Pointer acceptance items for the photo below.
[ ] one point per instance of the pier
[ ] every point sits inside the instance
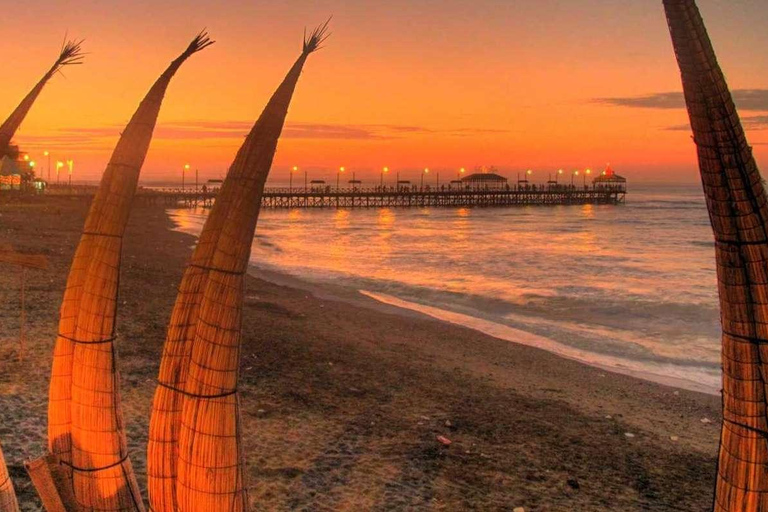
(384, 197)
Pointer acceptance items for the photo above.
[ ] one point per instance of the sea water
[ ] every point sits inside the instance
(630, 287)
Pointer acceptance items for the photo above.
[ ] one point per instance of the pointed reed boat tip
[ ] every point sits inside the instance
(71, 53)
(317, 37)
(199, 43)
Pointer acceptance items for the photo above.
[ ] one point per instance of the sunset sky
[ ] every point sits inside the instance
(539, 84)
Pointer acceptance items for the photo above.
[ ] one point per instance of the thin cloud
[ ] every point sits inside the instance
(103, 136)
(751, 123)
(745, 99)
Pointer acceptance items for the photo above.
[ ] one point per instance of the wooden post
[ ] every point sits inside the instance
(23, 312)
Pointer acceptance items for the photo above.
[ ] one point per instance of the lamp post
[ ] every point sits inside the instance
(183, 170)
(290, 177)
(59, 165)
(305, 180)
(197, 172)
(588, 171)
(338, 176)
(426, 171)
(575, 173)
(48, 154)
(383, 172)
(559, 173)
(70, 166)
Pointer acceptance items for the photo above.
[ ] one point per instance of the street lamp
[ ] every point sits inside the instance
(575, 173)
(70, 165)
(183, 170)
(383, 172)
(48, 154)
(290, 177)
(588, 171)
(59, 165)
(426, 171)
(338, 175)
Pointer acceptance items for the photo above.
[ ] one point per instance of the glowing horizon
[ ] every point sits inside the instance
(439, 85)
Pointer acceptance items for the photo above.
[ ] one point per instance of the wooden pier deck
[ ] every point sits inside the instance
(391, 198)
(380, 197)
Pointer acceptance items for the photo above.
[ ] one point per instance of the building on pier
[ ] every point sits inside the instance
(609, 179)
(485, 181)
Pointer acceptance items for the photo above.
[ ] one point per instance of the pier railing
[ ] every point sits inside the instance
(392, 197)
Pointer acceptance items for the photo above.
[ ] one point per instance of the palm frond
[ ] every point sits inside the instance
(317, 37)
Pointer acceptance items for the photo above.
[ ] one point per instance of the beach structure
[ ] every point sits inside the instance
(195, 460)
(738, 211)
(70, 55)
(85, 425)
(10, 175)
(8, 501)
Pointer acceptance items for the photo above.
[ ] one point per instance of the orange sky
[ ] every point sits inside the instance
(407, 84)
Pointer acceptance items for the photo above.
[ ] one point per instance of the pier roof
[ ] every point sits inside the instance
(488, 177)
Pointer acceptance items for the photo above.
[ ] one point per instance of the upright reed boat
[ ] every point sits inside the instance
(194, 459)
(85, 424)
(738, 211)
(8, 501)
(71, 54)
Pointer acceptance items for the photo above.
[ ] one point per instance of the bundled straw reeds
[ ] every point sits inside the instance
(8, 502)
(85, 425)
(194, 455)
(736, 200)
(71, 54)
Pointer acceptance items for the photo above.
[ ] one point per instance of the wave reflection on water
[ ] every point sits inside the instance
(630, 287)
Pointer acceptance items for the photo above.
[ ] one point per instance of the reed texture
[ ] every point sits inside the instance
(8, 502)
(85, 424)
(70, 55)
(194, 460)
(736, 201)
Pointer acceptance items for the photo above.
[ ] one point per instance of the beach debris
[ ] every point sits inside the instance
(629, 435)
(608, 417)
(8, 501)
(71, 54)
(85, 423)
(706, 421)
(674, 438)
(195, 410)
(736, 203)
(444, 441)
(448, 423)
(518, 509)
(573, 484)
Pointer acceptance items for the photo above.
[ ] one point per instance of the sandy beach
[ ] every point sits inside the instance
(344, 398)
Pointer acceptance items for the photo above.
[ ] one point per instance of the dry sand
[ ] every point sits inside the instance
(343, 400)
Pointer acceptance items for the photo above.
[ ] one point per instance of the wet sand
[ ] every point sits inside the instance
(344, 398)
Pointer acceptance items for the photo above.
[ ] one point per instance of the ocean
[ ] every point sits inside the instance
(629, 288)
